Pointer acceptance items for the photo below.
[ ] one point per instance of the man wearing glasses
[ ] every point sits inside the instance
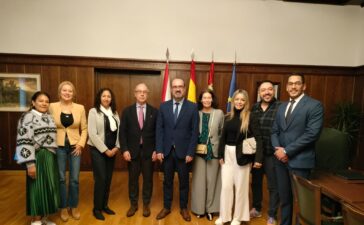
(177, 133)
(295, 130)
(137, 140)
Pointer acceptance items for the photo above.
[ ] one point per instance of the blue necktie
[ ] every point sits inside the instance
(176, 111)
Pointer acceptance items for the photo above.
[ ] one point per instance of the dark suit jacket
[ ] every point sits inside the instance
(299, 134)
(130, 131)
(183, 134)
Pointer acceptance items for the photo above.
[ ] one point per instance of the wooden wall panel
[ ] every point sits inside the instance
(359, 100)
(328, 84)
(50, 80)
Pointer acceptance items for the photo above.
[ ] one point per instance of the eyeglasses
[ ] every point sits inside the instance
(141, 92)
(297, 83)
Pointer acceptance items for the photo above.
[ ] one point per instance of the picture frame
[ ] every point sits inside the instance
(277, 89)
(16, 90)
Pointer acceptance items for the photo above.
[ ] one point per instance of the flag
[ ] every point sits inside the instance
(210, 82)
(166, 91)
(192, 86)
(231, 89)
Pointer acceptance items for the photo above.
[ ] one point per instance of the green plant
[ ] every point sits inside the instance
(346, 118)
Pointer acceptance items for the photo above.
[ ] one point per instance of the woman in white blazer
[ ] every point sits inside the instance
(206, 179)
(103, 130)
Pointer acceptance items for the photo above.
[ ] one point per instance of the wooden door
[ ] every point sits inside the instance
(122, 83)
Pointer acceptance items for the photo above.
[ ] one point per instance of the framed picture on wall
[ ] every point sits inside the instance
(276, 86)
(16, 90)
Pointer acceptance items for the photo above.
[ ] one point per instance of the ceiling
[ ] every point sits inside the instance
(331, 2)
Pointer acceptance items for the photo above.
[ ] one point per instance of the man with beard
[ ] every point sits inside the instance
(265, 110)
(177, 134)
(295, 130)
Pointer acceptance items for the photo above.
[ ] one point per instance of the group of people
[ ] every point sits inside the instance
(52, 135)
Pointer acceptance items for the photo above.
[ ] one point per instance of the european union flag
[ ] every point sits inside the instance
(231, 89)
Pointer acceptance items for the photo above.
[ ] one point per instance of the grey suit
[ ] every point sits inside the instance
(297, 136)
(206, 177)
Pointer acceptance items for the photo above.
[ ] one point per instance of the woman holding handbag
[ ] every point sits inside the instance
(206, 179)
(236, 161)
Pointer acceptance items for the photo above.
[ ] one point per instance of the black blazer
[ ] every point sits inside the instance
(130, 131)
(253, 131)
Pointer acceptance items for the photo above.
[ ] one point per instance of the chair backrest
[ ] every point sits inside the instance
(352, 216)
(309, 200)
(332, 150)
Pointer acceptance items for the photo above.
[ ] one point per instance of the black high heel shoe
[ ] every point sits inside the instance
(209, 216)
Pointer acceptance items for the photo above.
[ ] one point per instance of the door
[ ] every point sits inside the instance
(122, 83)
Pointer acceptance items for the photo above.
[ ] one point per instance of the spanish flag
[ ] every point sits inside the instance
(192, 86)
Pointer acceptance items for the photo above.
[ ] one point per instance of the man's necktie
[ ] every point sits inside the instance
(176, 111)
(141, 117)
(289, 112)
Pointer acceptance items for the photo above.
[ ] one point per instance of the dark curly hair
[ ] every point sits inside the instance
(97, 101)
(214, 103)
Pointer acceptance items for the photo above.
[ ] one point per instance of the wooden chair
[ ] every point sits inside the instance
(352, 216)
(308, 196)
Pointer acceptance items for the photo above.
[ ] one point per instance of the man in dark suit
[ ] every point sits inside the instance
(177, 133)
(137, 137)
(295, 130)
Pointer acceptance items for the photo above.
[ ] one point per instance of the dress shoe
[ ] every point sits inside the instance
(132, 210)
(185, 214)
(36, 222)
(98, 214)
(146, 211)
(64, 214)
(108, 211)
(209, 216)
(75, 213)
(163, 213)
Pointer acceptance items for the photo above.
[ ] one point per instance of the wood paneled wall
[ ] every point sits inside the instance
(330, 85)
(359, 100)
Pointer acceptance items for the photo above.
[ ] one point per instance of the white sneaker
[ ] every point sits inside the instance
(37, 222)
(47, 222)
(235, 222)
(219, 221)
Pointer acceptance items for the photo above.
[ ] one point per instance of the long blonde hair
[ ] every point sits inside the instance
(245, 113)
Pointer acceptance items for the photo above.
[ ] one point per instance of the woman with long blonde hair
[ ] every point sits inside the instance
(235, 166)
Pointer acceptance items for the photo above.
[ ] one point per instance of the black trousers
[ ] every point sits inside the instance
(137, 166)
(102, 167)
(257, 184)
(172, 163)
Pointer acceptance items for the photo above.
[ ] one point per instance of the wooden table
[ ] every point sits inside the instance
(340, 189)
